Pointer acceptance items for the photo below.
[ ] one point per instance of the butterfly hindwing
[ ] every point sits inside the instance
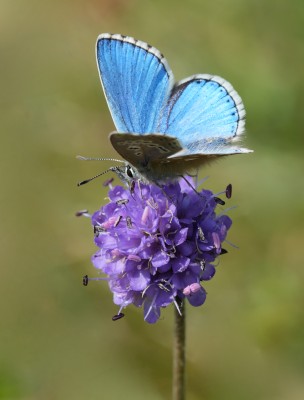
(136, 80)
(202, 108)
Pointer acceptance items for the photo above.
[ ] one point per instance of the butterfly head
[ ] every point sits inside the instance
(126, 173)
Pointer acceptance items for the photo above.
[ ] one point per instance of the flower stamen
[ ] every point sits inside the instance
(118, 316)
(122, 202)
(129, 222)
(86, 279)
(83, 213)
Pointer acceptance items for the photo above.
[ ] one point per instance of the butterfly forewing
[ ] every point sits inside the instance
(136, 81)
(141, 150)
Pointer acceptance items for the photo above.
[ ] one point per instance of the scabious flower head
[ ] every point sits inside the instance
(157, 245)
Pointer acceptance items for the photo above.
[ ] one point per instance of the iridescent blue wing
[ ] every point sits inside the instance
(136, 80)
(205, 114)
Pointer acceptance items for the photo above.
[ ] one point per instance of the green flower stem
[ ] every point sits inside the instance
(178, 389)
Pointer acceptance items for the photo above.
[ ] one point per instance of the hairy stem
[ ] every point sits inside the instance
(178, 389)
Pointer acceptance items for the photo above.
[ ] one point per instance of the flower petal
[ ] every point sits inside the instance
(198, 298)
(180, 264)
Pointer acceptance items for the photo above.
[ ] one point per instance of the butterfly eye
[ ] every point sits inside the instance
(129, 172)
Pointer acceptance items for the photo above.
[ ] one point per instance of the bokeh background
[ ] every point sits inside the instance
(57, 340)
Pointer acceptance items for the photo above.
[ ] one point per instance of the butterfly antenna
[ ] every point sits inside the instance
(90, 179)
(111, 169)
(98, 159)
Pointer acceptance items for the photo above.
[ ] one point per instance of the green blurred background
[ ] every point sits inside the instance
(57, 340)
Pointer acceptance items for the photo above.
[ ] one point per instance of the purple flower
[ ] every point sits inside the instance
(156, 245)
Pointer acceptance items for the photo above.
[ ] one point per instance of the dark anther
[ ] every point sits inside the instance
(117, 221)
(224, 251)
(81, 213)
(85, 280)
(98, 229)
(229, 191)
(201, 234)
(122, 202)
(132, 188)
(163, 287)
(219, 201)
(118, 316)
(129, 222)
(203, 265)
(108, 182)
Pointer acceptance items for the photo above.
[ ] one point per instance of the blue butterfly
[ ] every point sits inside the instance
(165, 129)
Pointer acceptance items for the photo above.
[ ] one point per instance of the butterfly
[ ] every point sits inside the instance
(163, 128)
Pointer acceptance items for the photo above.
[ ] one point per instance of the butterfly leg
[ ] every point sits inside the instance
(189, 183)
